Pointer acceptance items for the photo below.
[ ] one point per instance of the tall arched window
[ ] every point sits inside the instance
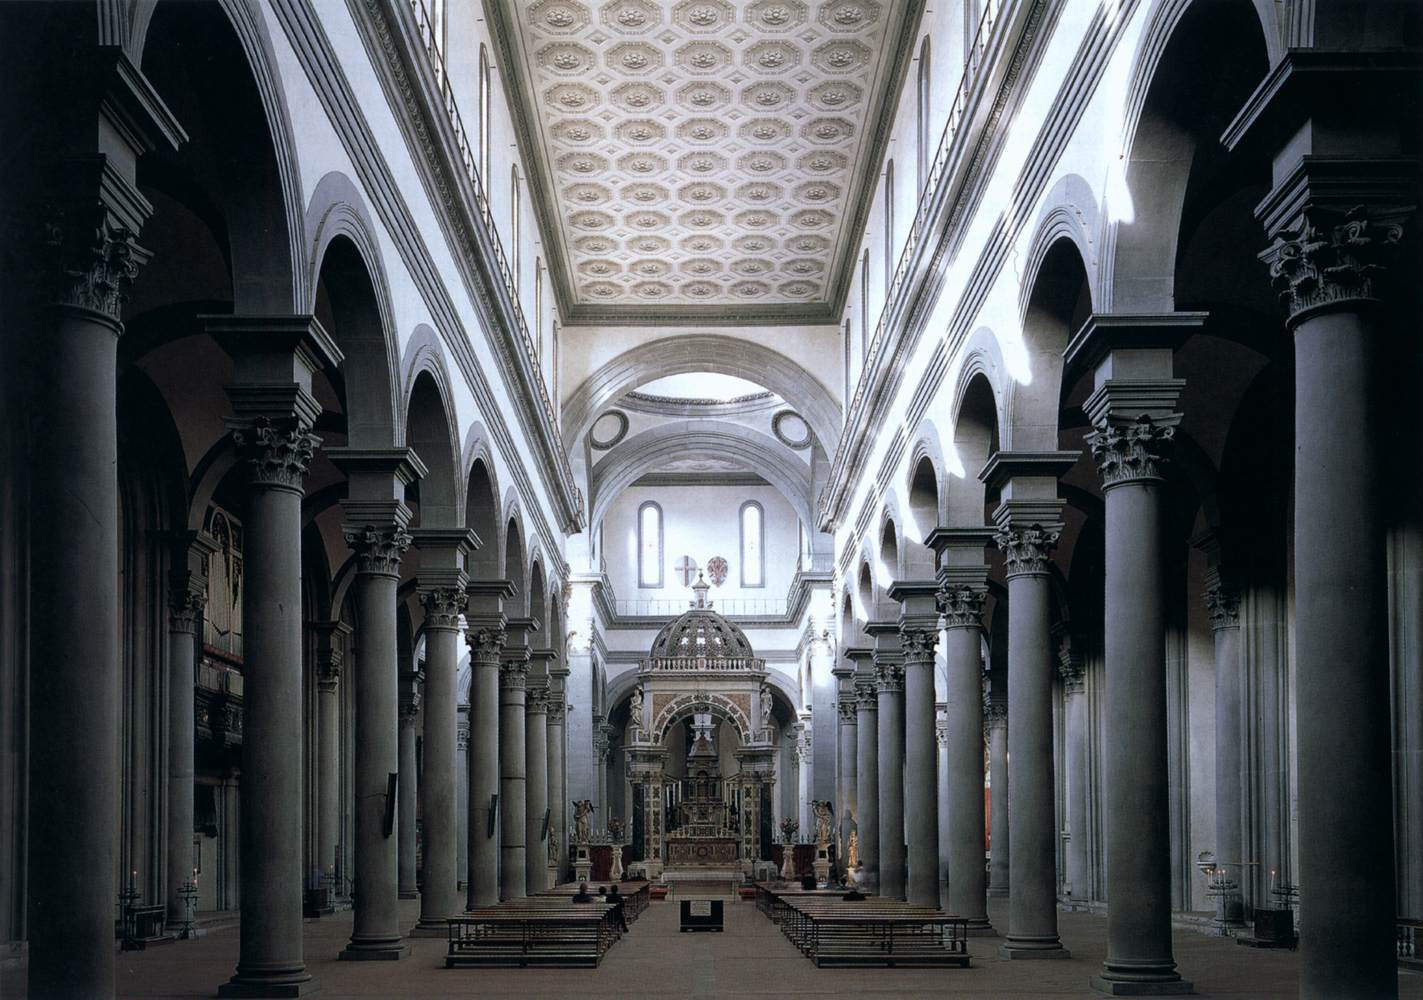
(888, 227)
(484, 118)
(649, 545)
(538, 331)
(865, 305)
(925, 95)
(753, 551)
(514, 224)
(846, 406)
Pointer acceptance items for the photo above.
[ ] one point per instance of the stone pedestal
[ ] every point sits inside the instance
(821, 864)
(583, 864)
(615, 872)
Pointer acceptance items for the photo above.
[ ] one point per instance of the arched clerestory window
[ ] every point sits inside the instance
(753, 549)
(922, 124)
(649, 545)
(484, 103)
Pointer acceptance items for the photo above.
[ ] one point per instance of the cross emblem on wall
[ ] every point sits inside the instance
(686, 568)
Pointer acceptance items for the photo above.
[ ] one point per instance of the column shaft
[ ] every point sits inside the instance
(536, 790)
(968, 886)
(376, 928)
(921, 780)
(483, 757)
(999, 865)
(513, 671)
(847, 804)
(558, 815)
(405, 828)
(1229, 742)
(328, 767)
(439, 892)
(890, 677)
(185, 616)
(1342, 673)
(867, 779)
(1078, 868)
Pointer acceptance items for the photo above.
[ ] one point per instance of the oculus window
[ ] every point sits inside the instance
(649, 545)
(753, 553)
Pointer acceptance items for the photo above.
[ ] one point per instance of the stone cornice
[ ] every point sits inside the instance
(318, 59)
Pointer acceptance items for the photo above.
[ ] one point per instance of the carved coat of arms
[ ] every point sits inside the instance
(717, 569)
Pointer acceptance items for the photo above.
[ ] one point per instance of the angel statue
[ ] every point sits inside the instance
(582, 809)
(824, 818)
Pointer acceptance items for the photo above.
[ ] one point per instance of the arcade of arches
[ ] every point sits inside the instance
(455, 447)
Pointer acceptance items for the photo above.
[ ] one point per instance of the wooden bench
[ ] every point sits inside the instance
(537, 930)
(831, 930)
(636, 895)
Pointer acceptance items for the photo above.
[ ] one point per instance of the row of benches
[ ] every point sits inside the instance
(831, 930)
(547, 929)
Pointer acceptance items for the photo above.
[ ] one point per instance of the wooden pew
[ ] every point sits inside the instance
(831, 930)
(537, 930)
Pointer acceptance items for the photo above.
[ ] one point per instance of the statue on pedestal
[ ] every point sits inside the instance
(824, 820)
(582, 809)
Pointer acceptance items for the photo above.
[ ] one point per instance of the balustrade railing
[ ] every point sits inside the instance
(720, 664)
(730, 607)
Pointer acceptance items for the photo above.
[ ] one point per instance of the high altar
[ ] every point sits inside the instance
(694, 818)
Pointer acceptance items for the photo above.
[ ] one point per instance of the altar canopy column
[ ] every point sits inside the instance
(1223, 604)
(1336, 219)
(963, 588)
(1132, 408)
(889, 685)
(845, 759)
(536, 786)
(485, 636)
(186, 601)
(441, 587)
(918, 637)
(406, 789)
(1074, 697)
(995, 734)
(867, 763)
(513, 768)
(1028, 530)
(376, 519)
(274, 358)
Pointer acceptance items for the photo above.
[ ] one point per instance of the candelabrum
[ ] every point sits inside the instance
(189, 892)
(1226, 893)
(127, 899)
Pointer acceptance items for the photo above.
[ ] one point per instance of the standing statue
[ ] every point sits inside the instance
(853, 861)
(635, 708)
(824, 819)
(766, 705)
(582, 809)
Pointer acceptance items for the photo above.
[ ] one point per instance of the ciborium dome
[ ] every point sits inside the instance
(701, 634)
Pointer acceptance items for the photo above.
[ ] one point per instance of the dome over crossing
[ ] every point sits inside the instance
(701, 634)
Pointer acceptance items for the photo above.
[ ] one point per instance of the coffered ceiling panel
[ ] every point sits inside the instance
(706, 155)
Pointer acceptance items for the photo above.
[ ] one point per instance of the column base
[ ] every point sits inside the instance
(256, 986)
(1134, 988)
(996, 893)
(382, 952)
(408, 894)
(429, 927)
(981, 928)
(1016, 951)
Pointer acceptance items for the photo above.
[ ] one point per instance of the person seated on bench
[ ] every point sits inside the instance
(582, 895)
(807, 882)
(853, 896)
(618, 901)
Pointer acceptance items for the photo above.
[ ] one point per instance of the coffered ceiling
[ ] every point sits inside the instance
(706, 159)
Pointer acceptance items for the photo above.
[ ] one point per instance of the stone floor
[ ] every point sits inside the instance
(751, 959)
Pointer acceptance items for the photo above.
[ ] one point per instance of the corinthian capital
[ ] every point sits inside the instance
(557, 710)
(90, 257)
(889, 675)
(1070, 666)
(1330, 254)
(917, 644)
(866, 696)
(962, 606)
(1223, 605)
(845, 707)
(186, 604)
(995, 715)
(277, 452)
(328, 670)
(536, 700)
(378, 549)
(486, 645)
(1133, 452)
(1028, 550)
(443, 606)
(514, 669)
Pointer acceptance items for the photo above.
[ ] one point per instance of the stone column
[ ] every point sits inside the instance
(1223, 602)
(376, 519)
(1131, 408)
(328, 744)
(889, 684)
(1027, 535)
(845, 759)
(961, 600)
(918, 637)
(600, 770)
(486, 636)
(187, 599)
(1070, 669)
(536, 787)
(513, 678)
(557, 780)
(805, 772)
(274, 411)
(407, 877)
(1336, 224)
(941, 733)
(995, 722)
(442, 593)
(867, 767)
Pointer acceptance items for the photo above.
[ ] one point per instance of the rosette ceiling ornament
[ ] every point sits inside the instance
(708, 153)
